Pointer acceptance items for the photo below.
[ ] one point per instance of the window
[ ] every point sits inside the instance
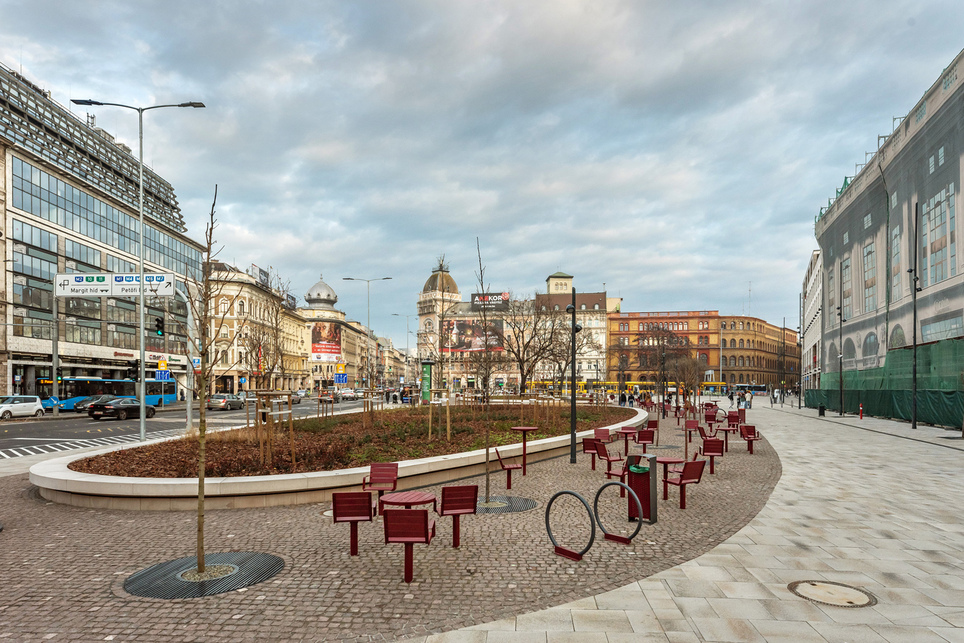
(893, 200)
(847, 302)
(741, 345)
(241, 308)
(930, 163)
(846, 238)
(82, 253)
(115, 264)
(867, 221)
(895, 262)
(940, 156)
(938, 254)
(870, 278)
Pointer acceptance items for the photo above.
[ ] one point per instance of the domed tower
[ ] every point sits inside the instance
(439, 293)
(321, 297)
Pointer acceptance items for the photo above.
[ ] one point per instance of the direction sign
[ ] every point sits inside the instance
(162, 375)
(102, 284)
(341, 378)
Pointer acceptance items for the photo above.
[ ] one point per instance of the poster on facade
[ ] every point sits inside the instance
(490, 301)
(325, 342)
(468, 335)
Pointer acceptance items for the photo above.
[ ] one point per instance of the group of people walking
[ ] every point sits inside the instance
(745, 399)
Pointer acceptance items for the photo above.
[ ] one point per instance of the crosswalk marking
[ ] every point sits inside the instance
(81, 443)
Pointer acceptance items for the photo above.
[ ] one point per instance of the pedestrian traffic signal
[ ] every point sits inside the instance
(60, 373)
(134, 370)
(159, 326)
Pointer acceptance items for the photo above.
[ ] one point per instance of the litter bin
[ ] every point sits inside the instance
(822, 410)
(642, 480)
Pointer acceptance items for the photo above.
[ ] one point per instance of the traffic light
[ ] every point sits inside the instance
(159, 326)
(60, 373)
(134, 370)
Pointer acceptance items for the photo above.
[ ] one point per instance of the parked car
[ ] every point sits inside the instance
(224, 402)
(348, 394)
(302, 393)
(119, 407)
(84, 404)
(20, 406)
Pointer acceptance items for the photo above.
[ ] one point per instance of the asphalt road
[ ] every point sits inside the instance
(74, 431)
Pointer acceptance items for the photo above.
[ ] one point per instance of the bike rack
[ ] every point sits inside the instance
(639, 508)
(593, 520)
(562, 551)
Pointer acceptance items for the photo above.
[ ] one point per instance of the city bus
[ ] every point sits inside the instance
(73, 389)
(754, 389)
(713, 388)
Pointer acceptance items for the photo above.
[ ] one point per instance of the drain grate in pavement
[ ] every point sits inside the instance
(828, 592)
(507, 505)
(163, 580)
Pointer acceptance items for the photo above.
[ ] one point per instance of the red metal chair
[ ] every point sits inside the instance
(645, 437)
(691, 473)
(712, 448)
(733, 419)
(710, 417)
(621, 476)
(689, 426)
(749, 433)
(382, 477)
(602, 435)
(589, 446)
(458, 501)
(352, 507)
(508, 468)
(604, 455)
(408, 526)
(704, 433)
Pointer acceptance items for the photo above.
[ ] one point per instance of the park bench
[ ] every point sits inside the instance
(458, 501)
(352, 507)
(382, 477)
(508, 468)
(408, 526)
(691, 473)
(749, 433)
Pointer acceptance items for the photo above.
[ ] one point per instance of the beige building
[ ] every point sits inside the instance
(336, 346)
(261, 340)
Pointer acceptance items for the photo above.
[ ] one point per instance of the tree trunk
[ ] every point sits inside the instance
(200, 489)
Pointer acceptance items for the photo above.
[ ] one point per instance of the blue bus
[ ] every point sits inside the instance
(73, 389)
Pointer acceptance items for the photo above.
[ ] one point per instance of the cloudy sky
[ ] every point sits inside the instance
(676, 152)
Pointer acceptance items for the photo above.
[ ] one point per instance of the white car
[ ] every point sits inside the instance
(348, 394)
(20, 406)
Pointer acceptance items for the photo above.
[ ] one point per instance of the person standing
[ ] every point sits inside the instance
(730, 396)
(749, 399)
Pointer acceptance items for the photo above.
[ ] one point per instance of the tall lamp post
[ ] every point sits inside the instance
(140, 211)
(571, 309)
(407, 332)
(368, 328)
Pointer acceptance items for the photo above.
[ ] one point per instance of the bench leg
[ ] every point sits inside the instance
(409, 562)
(456, 531)
(712, 457)
(749, 445)
(354, 538)
(682, 496)
(508, 478)
(593, 461)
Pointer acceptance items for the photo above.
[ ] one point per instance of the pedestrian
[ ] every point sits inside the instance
(622, 399)
(730, 396)
(630, 399)
(749, 399)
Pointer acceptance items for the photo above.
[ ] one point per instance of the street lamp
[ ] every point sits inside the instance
(571, 309)
(140, 211)
(407, 332)
(368, 328)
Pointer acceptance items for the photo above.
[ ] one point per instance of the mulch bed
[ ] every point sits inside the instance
(344, 441)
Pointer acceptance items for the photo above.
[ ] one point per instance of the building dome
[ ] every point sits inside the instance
(321, 296)
(441, 281)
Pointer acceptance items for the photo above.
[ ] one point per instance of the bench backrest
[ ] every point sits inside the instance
(748, 432)
(652, 424)
(406, 526)
(712, 446)
(601, 434)
(690, 425)
(646, 436)
(692, 471)
(499, 456)
(457, 500)
(381, 472)
(601, 450)
(351, 506)
(589, 445)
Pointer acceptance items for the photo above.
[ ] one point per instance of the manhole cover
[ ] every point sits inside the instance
(164, 579)
(829, 593)
(506, 505)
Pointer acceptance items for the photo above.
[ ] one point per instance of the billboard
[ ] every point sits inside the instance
(490, 301)
(468, 335)
(325, 342)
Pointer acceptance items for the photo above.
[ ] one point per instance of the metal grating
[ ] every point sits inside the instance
(825, 592)
(513, 504)
(162, 580)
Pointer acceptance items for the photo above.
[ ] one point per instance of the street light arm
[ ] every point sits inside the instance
(88, 101)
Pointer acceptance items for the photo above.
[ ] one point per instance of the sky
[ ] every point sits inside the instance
(672, 153)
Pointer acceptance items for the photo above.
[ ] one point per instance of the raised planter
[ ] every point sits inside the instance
(59, 484)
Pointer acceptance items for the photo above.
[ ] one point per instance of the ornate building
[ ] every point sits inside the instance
(335, 343)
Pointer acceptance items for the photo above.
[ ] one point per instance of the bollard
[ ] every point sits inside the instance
(861, 411)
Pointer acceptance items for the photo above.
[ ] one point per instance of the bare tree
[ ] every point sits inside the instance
(559, 356)
(527, 334)
(687, 372)
(213, 327)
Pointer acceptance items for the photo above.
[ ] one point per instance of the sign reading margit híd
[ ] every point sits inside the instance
(490, 301)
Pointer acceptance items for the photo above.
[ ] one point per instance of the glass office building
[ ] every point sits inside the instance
(68, 199)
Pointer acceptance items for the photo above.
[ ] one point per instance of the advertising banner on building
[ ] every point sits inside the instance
(490, 301)
(325, 342)
(468, 335)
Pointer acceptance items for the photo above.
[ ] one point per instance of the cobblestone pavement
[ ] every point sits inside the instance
(62, 568)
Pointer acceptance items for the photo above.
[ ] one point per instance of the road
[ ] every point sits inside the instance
(74, 431)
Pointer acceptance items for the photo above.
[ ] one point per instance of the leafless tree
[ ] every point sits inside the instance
(559, 357)
(527, 335)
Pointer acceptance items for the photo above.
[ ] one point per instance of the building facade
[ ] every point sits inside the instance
(811, 317)
(69, 204)
(337, 345)
(889, 255)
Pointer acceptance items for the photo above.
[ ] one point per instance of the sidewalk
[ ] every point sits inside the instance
(869, 503)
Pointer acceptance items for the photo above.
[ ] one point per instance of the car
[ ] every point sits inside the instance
(84, 404)
(348, 394)
(119, 407)
(20, 406)
(302, 393)
(224, 402)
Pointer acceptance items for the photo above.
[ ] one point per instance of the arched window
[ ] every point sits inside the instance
(556, 307)
(741, 360)
(732, 343)
(741, 378)
(240, 307)
(733, 360)
(582, 306)
(732, 325)
(704, 358)
(595, 306)
(741, 343)
(223, 307)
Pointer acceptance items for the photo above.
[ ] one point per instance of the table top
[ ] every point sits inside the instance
(627, 430)
(524, 429)
(667, 460)
(407, 498)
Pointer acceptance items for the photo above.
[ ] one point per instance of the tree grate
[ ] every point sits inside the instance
(163, 581)
(513, 504)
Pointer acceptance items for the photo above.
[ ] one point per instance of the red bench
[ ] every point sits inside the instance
(458, 501)
(508, 468)
(645, 437)
(352, 507)
(408, 526)
(604, 455)
(691, 473)
(589, 446)
(712, 448)
(749, 433)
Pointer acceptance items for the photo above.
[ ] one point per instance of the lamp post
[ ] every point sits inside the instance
(571, 309)
(407, 332)
(368, 328)
(915, 279)
(140, 211)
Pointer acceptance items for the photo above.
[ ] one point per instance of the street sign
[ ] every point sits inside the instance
(162, 364)
(162, 375)
(104, 284)
(341, 378)
(196, 361)
(340, 369)
(243, 380)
